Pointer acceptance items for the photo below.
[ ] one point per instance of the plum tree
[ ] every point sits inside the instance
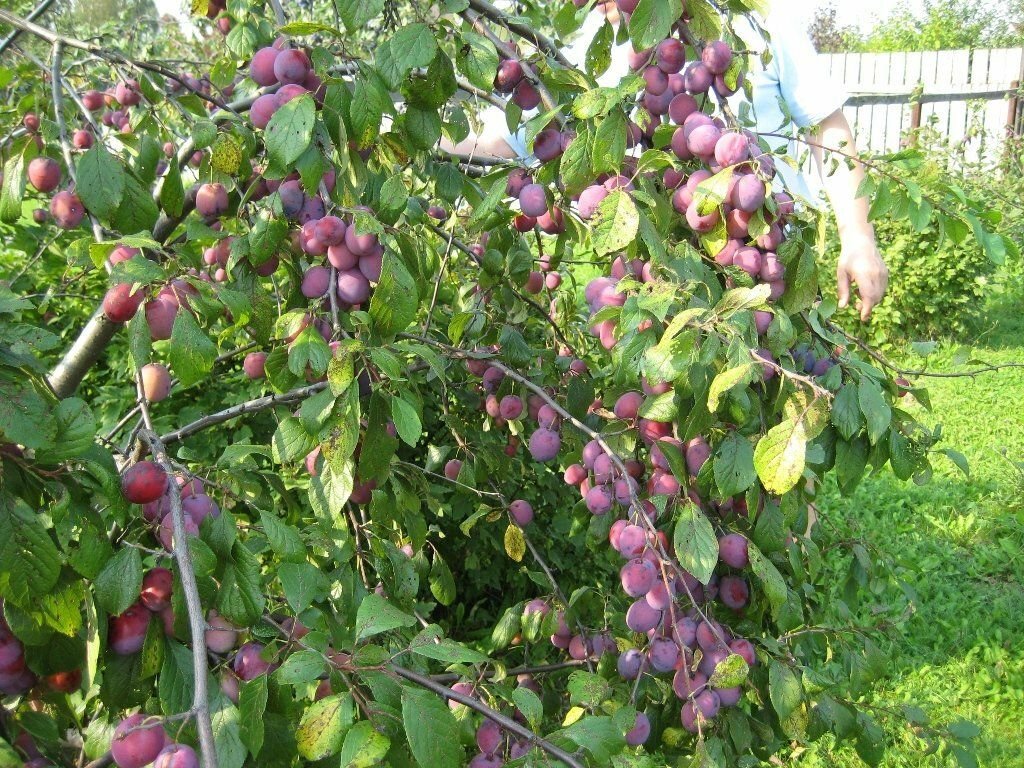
(438, 397)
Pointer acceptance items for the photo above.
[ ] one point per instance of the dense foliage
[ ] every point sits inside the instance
(310, 424)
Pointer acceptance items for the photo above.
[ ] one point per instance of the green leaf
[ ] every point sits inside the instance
(616, 223)
(13, 189)
(252, 704)
(364, 746)
(285, 539)
(771, 580)
(291, 441)
(730, 672)
(301, 667)
(240, 598)
(442, 583)
(587, 689)
(395, 299)
(407, 420)
(376, 615)
(431, 729)
(711, 193)
(191, 353)
(845, 414)
(290, 130)
(429, 644)
(76, 429)
(695, 542)
(29, 560)
(726, 380)
(303, 28)
(309, 350)
(356, 13)
(780, 455)
(477, 59)
(302, 583)
(324, 724)
(784, 689)
(100, 181)
(118, 584)
(652, 20)
(876, 411)
(410, 47)
(610, 143)
(598, 735)
(734, 465)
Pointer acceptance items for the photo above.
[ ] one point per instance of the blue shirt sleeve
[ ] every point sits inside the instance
(809, 93)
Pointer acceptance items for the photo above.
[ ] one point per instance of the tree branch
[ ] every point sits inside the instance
(525, 31)
(38, 11)
(505, 722)
(194, 606)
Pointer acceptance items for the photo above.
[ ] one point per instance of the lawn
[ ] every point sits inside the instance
(959, 544)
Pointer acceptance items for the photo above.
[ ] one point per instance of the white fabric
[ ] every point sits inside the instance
(793, 75)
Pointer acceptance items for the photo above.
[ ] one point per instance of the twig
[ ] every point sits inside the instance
(540, 669)
(524, 31)
(505, 722)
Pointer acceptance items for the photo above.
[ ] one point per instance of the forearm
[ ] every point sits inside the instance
(834, 151)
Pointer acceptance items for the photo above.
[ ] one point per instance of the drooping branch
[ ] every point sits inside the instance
(505, 722)
(190, 589)
(525, 31)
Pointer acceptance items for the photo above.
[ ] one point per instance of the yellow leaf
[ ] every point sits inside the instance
(515, 544)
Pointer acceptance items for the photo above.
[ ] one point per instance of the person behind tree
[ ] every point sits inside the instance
(790, 91)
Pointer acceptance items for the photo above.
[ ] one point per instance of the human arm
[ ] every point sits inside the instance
(860, 261)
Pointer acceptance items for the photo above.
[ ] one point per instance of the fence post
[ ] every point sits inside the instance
(1012, 119)
(915, 121)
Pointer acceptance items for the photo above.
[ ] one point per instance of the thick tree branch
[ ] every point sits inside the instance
(250, 406)
(525, 31)
(38, 11)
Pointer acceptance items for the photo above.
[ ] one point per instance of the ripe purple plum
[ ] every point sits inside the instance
(743, 647)
(452, 469)
(749, 193)
(734, 592)
(521, 512)
(640, 732)
(315, 282)
(44, 173)
(630, 663)
(670, 55)
(533, 200)
(641, 617)
(548, 145)
(255, 364)
(176, 756)
(82, 139)
(628, 405)
(544, 444)
(166, 530)
(637, 577)
(511, 407)
(222, 635)
(655, 81)
(263, 109)
(160, 315)
(663, 654)
(199, 507)
(126, 632)
(136, 743)
(733, 550)
(772, 268)
(599, 500)
(517, 179)
(732, 148)
(697, 452)
(212, 200)
(526, 96)
(156, 589)
(574, 474)
(156, 382)
(717, 57)
(703, 139)
(686, 684)
(143, 481)
(489, 737)
(698, 78)
(261, 66)
(249, 662)
(127, 93)
(681, 107)
(632, 541)
(353, 287)
(66, 209)
(552, 222)
(749, 260)
(291, 66)
(508, 76)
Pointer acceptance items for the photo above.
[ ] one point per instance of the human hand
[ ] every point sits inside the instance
(861, 262)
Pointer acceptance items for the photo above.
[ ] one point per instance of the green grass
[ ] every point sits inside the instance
(958, 543)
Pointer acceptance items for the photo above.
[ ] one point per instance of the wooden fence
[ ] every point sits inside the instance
(971, 96)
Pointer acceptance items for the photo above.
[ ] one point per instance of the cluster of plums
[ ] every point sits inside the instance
(140, 740)
(288, 68)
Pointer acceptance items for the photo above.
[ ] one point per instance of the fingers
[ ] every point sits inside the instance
(871, 292)
(843, 286)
